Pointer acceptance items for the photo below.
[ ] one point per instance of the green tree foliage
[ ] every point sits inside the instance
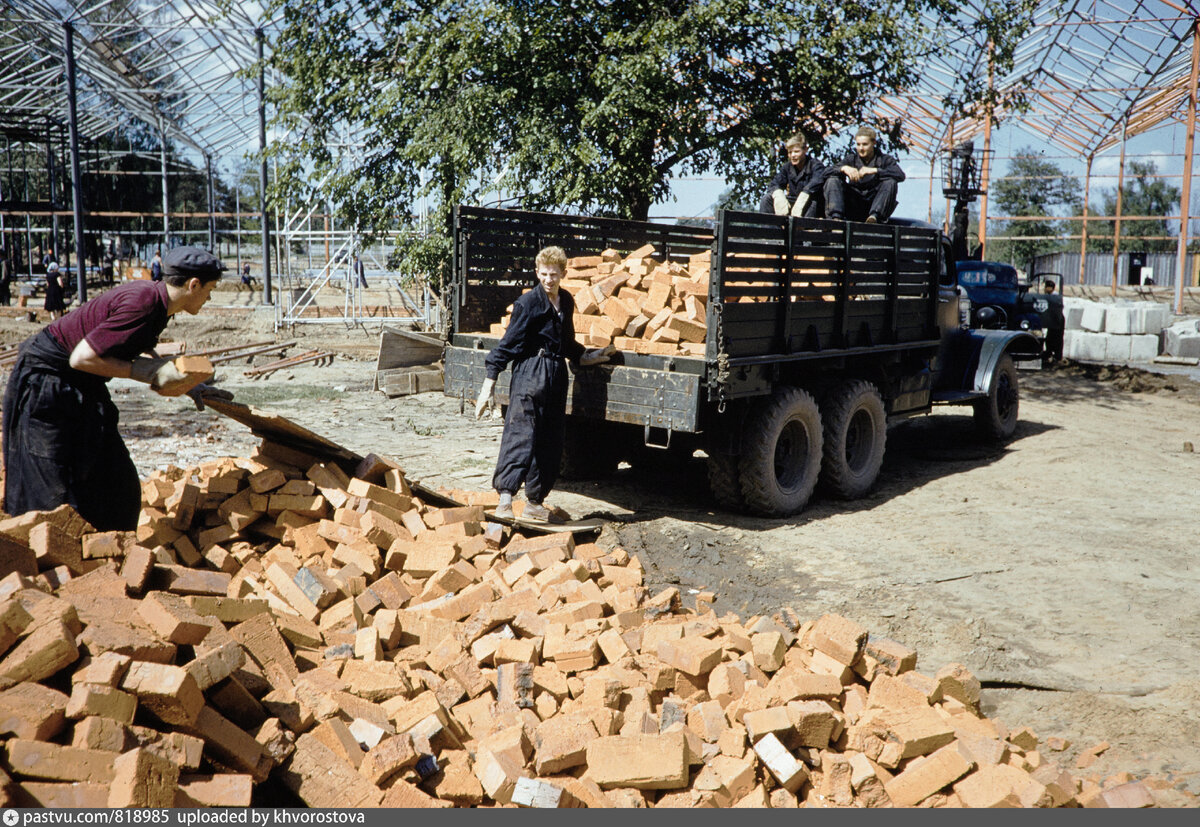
(585, 106)
(1038, 189)
(1142, 193)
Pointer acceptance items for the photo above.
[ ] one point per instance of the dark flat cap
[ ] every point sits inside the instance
(191, 261)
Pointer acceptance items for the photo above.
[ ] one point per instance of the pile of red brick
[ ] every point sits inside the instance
(636, 302)
(277, 630)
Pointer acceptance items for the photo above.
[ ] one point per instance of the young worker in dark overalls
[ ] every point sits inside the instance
(539, 339)
(61, 444)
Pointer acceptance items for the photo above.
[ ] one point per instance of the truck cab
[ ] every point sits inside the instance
(999, 301)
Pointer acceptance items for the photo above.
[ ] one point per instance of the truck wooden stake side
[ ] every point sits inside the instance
(819, 333)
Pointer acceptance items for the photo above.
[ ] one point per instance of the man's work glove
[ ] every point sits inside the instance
(801, 202)
(205, 391)
(597, 356)
(487, 397)
(163, 376)
(779, 198)
(160, 374)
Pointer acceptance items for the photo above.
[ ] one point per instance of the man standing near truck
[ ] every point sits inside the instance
(798, 188)
(1054, 322)
(872, 179)
(539, 338)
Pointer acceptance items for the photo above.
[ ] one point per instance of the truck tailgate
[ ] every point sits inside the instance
(662, 392)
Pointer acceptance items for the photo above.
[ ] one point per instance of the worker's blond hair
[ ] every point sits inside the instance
(865, 131)
(797, 140)
(552, 256)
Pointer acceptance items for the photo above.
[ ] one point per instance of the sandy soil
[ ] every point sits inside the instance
(1061, 569)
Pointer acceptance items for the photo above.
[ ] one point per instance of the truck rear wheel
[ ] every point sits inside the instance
(782, 454)
(855, 437)
(724, 481)
(996, 416)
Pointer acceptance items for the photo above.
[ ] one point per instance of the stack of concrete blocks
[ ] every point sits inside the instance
(1118, 333)
(1182, 339)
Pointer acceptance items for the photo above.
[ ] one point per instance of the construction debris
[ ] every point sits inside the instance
(321, 357)
(282, 629)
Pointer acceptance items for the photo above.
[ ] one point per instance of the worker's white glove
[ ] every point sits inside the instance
(161, 375)
(205, 391)
(597, 356)
(779, 197)
(801, 202)
(487, 397)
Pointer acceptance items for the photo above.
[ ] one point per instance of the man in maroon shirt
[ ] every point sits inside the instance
(61, 443)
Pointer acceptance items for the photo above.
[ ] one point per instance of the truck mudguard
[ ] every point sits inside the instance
(993, 344)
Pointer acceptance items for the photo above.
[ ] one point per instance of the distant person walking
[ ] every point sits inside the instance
(5, 278)
(357, 272)
(56, 303)
(247, 279)
(156, 266)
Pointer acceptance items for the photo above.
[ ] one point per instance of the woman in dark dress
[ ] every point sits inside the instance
(54, 291)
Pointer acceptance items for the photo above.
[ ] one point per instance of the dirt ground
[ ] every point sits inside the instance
(1061, 569)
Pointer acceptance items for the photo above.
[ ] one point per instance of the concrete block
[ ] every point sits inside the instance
(1093, 318)
(1152, 317)
(1116, 347)
(1120, 319)
(1073, 312)
(1083, 345)
(1188, 345)
(1143, 347)
(1181, 336)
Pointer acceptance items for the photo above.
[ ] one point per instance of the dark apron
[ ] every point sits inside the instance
(61, 443)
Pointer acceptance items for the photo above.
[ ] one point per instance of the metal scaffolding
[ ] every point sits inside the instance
(1088, 76)
(194, 80)
(1093, 73)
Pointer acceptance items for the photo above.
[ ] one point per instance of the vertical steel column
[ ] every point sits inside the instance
(946, 213)
(76, 179)
(237, 233)
(985, 167)
(212, 220)
(1087, 187)
(268, 296)
(1120, 204)
(162, 158)
(53, 201)
(1184, 199)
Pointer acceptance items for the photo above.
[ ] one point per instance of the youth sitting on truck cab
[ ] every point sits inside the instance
(798, 188)
(872, 179)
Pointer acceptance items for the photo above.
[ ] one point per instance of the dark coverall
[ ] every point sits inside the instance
(875, 195)
(537, 342)
(61, 443)
(1054, 322)
(808, 177)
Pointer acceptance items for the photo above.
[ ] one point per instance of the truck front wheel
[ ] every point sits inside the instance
(996, 415)
(855, 436)
(782, 454)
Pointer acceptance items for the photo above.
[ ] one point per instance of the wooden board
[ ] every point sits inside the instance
(400, 348)
(587, 526)
(282, 430)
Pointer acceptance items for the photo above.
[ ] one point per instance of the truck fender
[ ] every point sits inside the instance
(992, 345)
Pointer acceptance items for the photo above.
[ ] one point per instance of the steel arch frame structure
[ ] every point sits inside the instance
(1088, 75)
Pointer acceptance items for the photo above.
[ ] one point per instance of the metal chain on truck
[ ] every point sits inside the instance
(723, 374)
